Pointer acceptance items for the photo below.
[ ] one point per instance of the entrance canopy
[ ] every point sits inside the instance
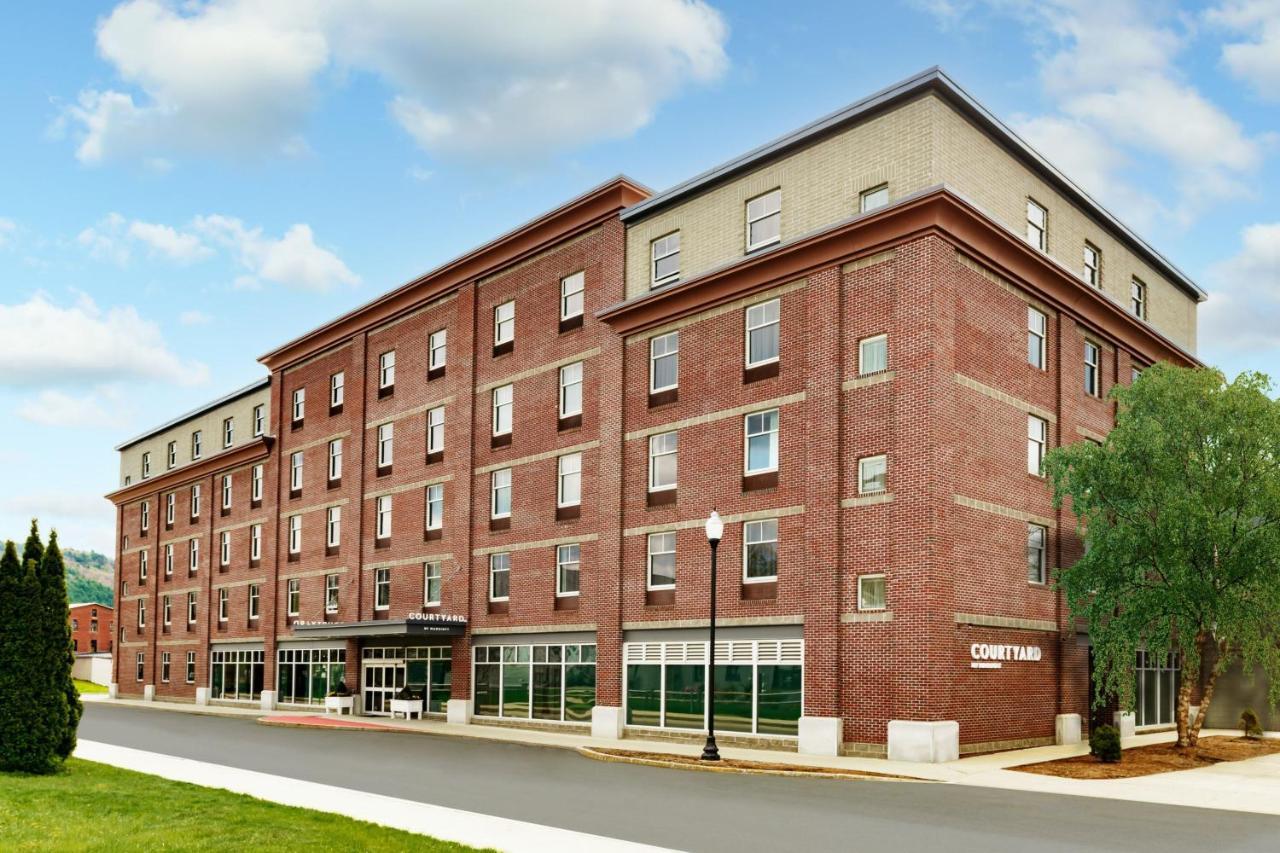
(425, 625)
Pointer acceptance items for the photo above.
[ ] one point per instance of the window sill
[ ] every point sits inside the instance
(566, 602)
(335, 483)
(569, 422)
(386, 391)
(255, 504)
(383, 471)
(382, 544)
(568, 513)
(664, 497)
(335, 410)
(500, 523)
(663, 398)
(226, 510)
(756, 482)
(294, 426)
(660, 597)
(433, 535)
(760, 371)
(437, 456)
(759, 590)
(294, 557)
(331, 550)
(435, 373)
(498, 607)
(568, 324)
(503, 440)
(505, 348)
(294, 494)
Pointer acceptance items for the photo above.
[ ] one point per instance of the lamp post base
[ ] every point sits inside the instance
(711, 752)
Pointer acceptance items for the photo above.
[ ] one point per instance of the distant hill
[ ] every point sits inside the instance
(90, 576)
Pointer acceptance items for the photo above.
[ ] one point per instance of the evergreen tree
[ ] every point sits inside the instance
(33, 550)
(10, 578)
(57, 631)
(30, 727)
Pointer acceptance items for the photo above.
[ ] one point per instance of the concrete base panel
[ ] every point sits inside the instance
(458, 711)
(1066, 729)
(606, 722)
(268, 700)
(927, 742)
(113, 691)
(1126, 723)
(820, 735)
(148, 693)
(202, 695)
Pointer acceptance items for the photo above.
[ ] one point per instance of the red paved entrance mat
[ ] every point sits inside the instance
(320, 721)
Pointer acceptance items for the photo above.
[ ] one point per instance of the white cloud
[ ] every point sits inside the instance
(45, 343)
(104, 240)
(104, 407)
(169, 242)
(293, 260)
(1242, 313)
(194, 318)
(516, 79)
(1256, 59)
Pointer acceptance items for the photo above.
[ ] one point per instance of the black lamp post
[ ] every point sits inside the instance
(715, 529)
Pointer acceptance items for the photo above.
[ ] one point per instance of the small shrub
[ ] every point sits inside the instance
(1249, 724)
(340, 689)
(1104, 744)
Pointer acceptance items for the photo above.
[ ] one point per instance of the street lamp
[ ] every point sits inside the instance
(715, 529)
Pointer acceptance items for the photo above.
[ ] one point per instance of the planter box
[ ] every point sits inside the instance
(408, 707)
(340, 704)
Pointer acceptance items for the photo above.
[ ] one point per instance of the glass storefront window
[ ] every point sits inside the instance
(541, 682)
(486, 689)
(644, 695)
(734, 695)
(686, 696)
(236, 675)
(778, 705)
(579, 691)
(1156, 689)
(306, 676)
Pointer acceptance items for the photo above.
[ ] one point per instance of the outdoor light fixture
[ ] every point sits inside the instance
(715, 530)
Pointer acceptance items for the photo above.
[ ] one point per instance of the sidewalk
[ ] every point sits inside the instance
(1249, 786)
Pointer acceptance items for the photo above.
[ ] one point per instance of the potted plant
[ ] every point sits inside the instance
(408, 702)
(340, 699)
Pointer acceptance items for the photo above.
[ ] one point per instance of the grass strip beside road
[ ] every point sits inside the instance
(90, 806)
(85, 687)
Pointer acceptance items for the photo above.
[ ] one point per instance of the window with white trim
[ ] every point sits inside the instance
(146, 465)
(873, 199)
(1092, 369)
(1092, 265)
(432, 581)
(333, 526)
(571, 389)
(873, 474)
(500, 493)
(761, 442)
(571, 295)
(295, 471)
(166, 610)
(331, 593)
(873, 355)
(255, 542)
(1138, 298)
(504, 323)
(1037, 438)
(139, 658)
(171, 455)
(226, 491)
(760, 551)
(386, 444)
(299, 404)
(1035, 553)
(259, 419)
(499, 577)
(293, 596)
(224, 600)
(142, 566)
(1037, 333)
(382, 526)
(164, 666)
(1037, 226)
(228, 432)
(568, 566)
(191, 667)
(224, 548)
(435, 506)
(437, 349)
(764, 220)
(665, 252)
(195, 501)
(435, 430)
(503, 399)
(663, 461)
(661, 569)
(664, 362)
(191, 608)
(142, 613)
(145, 519)
(168, 560)
(763, 324)
(255, 483)
(337, 389)
(871, 592)
(295, 534)
(335, 459)
(387, 369)
(193, 553)
(197, 444)
(569, 480)
(255, 599)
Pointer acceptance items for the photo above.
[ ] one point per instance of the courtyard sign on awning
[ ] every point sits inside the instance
(412, 625)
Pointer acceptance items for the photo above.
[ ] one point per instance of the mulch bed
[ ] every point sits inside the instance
(692, 762)
(1157, 758)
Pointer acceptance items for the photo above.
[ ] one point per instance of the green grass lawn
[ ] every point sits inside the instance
(91, 806)
(89, 687)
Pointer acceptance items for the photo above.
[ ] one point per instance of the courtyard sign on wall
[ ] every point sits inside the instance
(993, 655)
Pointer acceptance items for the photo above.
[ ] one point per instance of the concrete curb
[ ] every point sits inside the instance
(609, 758)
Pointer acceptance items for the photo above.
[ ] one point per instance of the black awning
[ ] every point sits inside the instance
(425, 626)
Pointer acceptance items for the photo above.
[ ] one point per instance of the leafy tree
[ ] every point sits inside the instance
(1181, 512)
(57, 641)
(30, 729)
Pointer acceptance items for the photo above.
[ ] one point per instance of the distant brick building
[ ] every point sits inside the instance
(93, 627)
(855, 343)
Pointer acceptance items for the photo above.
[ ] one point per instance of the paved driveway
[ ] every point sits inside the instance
(681, 809)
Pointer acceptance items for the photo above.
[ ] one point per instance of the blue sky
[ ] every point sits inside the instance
(184, 186)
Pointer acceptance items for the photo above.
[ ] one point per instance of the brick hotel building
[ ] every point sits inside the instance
(854, 342)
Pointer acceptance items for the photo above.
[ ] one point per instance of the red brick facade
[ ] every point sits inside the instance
(93, 626)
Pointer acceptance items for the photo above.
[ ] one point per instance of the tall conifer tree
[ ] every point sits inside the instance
(33, 550)
(57, 630)
(30, 727)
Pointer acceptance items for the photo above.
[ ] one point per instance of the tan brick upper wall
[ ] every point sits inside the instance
(210, 425)
(919, 144)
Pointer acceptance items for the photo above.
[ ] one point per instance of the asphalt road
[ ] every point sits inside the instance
(682, 809)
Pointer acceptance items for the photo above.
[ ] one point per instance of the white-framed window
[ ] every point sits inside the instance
(295, 471)
(224, 548)
(504, 323)
(299, 404)
(293, 596)
(140, 658)
(255, 483)
(503, 398)
(331, 593)
(763, 323)
(224, 597)
(499, 577)
(146, 465)
(191, 608)
(142, 566)
(571, 389)
(193, 554)
(663, 461)
(664, 362)
(255, 542)
(171, 455)
(764, 220)
(387, 369)
(168, 560)
(382, 526)
(1092, 265)
(569, 480)
(259, 419)
(760, 551)
(661, 570)
(665, 252)
(164, 666)
(873, 199)
(761, 441)
(145, 517)
(195, 501)
(255, 599)
(335, 459)
(873, 474)
(166, 610)
(437, 349)
(386, 444)
(1037, 334)
(191, 667)
(500, 493)
(435, 429)
(432, 581)
(571, 295)
(142, 614)
(295, 534)
(873, 355)
(1037, 438)
(871, 592)
(337, 389)
(1037, 226)
(197, 444)
(226, 491)
(1138, 298)
(228, 432)
(435, 506)
(568, 568)
(1092, 369)
(333, 526)
(1035, 553)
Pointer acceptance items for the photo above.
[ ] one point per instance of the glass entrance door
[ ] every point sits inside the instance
(382, 681)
